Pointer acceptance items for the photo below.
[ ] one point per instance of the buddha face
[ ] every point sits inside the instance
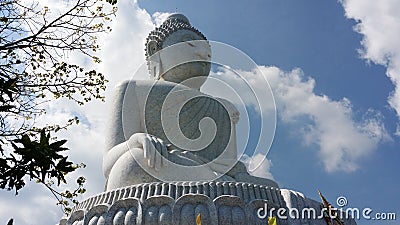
(185, 57)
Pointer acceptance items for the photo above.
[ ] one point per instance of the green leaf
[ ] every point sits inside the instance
(112, 2)
(82, 190)
(44, 139)
(81, 180)
(4, 19)
(57, 145)
(5, 108)
(10, 222)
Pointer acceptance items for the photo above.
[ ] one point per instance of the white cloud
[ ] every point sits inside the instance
(263, 170)
(321, 121)
(160, 17)
(33, 205)
(341, 139)
(379, 22)
(123, 49)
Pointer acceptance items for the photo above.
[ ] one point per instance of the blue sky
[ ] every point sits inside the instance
(310, 47)
(316, 37)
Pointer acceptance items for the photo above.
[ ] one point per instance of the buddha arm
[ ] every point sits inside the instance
(126, 130)
(124, 120)
(230, 155)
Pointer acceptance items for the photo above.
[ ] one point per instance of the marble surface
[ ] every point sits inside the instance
(165, 129)
(171, 151)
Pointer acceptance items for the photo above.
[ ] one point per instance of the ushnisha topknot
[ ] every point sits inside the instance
(174, 22)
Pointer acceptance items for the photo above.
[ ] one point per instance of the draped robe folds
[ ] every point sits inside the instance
(199, 129)
(174, 113)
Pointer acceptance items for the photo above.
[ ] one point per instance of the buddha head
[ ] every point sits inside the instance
(178, 52)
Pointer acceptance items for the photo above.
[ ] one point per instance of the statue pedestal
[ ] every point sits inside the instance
(181, 202)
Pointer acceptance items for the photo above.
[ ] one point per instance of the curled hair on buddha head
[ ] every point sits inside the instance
(156, 38)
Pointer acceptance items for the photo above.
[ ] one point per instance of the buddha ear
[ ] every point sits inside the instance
(155, 68)
(154, 59)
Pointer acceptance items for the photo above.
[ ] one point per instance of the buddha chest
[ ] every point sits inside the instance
(187, 119)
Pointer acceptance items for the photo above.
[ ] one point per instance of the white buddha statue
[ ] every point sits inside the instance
(165, 129)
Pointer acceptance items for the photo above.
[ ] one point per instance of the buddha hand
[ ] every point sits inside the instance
(154, 149)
